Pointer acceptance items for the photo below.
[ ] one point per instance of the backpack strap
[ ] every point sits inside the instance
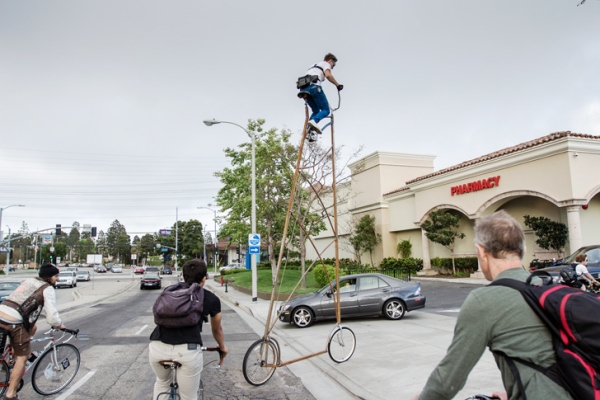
(316, 66)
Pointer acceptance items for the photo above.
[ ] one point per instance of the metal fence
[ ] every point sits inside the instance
(393, 272)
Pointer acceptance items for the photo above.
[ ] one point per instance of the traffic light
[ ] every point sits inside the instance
(93, 231)
(58, 231)
(11, 253)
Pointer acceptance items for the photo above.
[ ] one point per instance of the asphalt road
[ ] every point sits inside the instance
(114, 352)
(445, 298)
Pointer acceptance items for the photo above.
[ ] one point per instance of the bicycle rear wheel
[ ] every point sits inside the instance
(342, 343)
(51, 373)
(260, 362)
(4, 377)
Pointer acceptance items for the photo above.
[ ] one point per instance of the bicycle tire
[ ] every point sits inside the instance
(50, 377)
(4, 377)
(260, 362)
(341, 344)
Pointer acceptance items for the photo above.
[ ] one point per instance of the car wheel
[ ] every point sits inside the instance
(394, 309)
(303, 317)
(141, 288)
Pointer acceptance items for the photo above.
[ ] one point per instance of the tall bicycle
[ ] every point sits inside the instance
(54, 368)
(173, 393)
(264, 356)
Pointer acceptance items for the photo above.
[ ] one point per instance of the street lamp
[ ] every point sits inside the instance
(1, 209)
(216, 241)
(252, 256)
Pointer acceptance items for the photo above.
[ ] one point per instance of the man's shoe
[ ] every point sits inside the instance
(313, 125)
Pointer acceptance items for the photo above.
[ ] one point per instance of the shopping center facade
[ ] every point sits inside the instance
(553, 176)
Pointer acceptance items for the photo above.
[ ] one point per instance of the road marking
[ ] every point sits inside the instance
(450, 311)
(140, 331)
(77, 385)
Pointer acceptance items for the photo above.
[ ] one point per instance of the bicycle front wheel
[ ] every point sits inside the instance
(342, 343)
(4, 377)
(55, 369)
(260, 362)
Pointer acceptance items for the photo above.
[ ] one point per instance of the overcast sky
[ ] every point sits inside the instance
(102, 102)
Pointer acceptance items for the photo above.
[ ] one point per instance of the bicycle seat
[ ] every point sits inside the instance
(169, 364)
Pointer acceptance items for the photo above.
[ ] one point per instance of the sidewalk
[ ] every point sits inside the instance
(391, 357)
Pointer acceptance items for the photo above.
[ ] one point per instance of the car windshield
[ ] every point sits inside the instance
(65, 274)
(9, 285)
(151, 276)
(593, 255)
(83, 273)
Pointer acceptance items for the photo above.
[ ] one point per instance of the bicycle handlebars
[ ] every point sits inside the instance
(221, 353)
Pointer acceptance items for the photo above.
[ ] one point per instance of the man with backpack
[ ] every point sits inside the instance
(498, 317)
(19, 313)
(177, 336)
(312, 91)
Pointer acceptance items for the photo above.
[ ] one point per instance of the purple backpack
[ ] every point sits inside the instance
(179, 306)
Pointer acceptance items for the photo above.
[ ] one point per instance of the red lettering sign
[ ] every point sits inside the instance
(475, 186)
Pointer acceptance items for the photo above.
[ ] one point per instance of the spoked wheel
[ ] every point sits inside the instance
(394, 309)
(4, 377)
(51, 373)
(260, 362)
(341, 345)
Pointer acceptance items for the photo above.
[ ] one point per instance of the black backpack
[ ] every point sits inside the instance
(573, 318)
(568, 275)
(179, 306)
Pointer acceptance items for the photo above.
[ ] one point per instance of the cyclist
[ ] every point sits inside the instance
(184, 344)
(318, 101)
(497, 318)
(581, 269)
(20, 311)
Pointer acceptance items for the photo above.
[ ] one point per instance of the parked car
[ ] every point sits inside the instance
(167, 271)
(116, 269)
(67, 278)
(139, 270)
(361, 295)
(83, 276)
(150, 280)
(231, 266)
(6, 288)
(593, 266)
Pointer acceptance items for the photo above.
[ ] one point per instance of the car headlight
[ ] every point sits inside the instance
(286, 308)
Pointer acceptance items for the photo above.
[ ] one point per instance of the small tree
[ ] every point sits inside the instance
(551, 234)
(365, 238)
(404, 248)
(442, 227)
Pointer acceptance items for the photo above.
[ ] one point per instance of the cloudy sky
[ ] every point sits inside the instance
(102, 102)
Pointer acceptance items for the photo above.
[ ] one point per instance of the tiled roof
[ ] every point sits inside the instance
(526, 145)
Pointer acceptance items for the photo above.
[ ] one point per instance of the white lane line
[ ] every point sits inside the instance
(451, 311)
(140, 331)
(77, 385)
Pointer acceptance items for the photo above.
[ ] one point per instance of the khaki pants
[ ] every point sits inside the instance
(188, 375)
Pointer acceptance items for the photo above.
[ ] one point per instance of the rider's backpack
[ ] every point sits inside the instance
(568, 275)
(179, 306)
(572, 316)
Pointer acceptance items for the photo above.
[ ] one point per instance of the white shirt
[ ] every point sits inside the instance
(316, 71)
(581, 269)
(52, 316)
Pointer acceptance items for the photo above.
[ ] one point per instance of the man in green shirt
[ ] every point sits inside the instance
(497, 317)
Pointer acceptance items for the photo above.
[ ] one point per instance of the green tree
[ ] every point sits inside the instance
(404, 248)
(73, 239)
(86, 246)
(146, 247)
(551, 234)
(192, 245)
(275, 161)
(114, 240)
(442, 227)
(123, 248)
(365, 238)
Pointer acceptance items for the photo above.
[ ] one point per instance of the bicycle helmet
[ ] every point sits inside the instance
(568, 275)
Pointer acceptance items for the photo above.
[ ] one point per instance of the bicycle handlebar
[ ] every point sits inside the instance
(73, 332)
(221, 353)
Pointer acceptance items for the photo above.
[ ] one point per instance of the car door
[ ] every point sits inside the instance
(372, 293)
(348, 300)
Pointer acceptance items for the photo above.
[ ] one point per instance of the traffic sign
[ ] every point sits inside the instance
(254, 250)
(254, 239)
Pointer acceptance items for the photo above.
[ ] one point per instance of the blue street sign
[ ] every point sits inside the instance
(164, 249)
(254, 250)
(254, 239)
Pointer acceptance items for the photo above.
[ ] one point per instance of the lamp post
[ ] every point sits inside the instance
(7, 272)
(216, 241)
(252, 256)
(2, 209)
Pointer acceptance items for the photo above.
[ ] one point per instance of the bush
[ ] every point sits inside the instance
(409, 265)
(464, 265)
(321, 278)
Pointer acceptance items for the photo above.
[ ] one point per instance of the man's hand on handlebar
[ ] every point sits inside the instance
(340, 87)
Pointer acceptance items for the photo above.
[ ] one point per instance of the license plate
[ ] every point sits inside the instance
(149, 284)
